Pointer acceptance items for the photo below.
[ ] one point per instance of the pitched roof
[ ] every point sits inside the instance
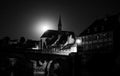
(51, 33)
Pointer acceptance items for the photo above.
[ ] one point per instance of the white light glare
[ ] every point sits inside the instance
(36, 47)
(45, 28)
(79, 41)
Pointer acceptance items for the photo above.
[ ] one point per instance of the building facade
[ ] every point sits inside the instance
(98, 50)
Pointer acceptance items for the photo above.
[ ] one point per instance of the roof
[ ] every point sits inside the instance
(51, 33)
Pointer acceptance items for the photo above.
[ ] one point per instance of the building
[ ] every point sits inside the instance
(58, 41)
(99, 46)
(101, 34)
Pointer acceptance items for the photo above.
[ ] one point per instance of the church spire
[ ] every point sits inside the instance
(59, 24)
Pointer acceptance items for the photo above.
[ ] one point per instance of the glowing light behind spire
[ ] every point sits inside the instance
(42, 25)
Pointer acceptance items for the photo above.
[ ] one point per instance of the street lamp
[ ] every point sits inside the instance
(78, 41)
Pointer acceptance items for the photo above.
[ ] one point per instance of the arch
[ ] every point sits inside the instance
(59, 67)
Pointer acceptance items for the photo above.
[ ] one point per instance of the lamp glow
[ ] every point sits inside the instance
(79, 41)
(36, 47)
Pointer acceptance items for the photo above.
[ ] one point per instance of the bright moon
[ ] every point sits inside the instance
(44, 28)
(43, 25)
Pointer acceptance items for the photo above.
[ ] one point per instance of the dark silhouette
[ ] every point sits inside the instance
(21, 43)
(5, 42)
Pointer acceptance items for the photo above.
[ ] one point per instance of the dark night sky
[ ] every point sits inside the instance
(20, 18)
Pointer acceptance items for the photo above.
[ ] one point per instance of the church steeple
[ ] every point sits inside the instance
(59, 24)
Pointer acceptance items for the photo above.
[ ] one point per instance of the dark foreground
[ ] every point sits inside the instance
(28, 64)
